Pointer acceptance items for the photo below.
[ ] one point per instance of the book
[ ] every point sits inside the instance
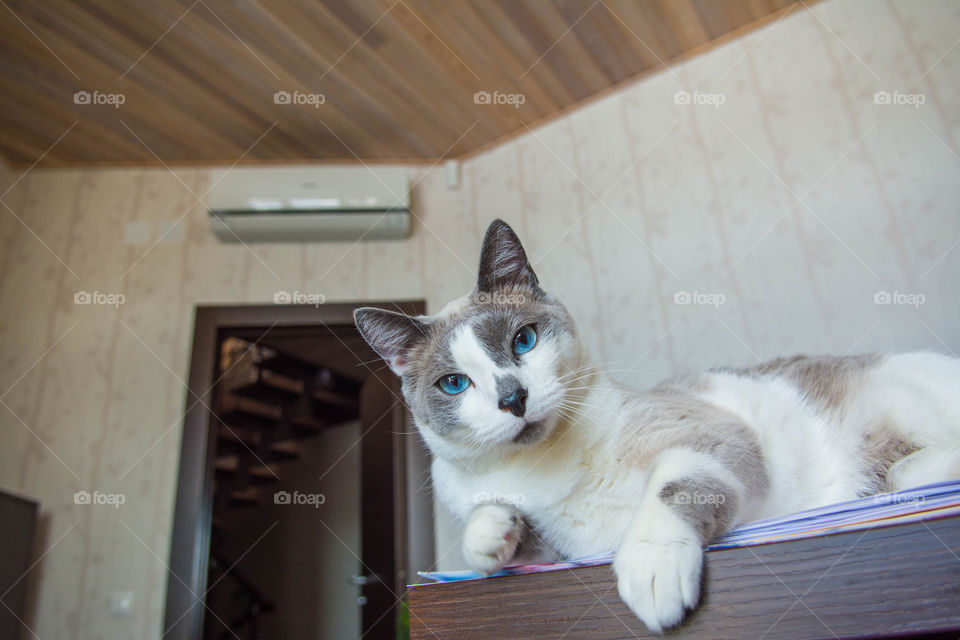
(886, 509)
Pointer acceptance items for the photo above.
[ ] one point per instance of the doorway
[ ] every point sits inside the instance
(301, 506)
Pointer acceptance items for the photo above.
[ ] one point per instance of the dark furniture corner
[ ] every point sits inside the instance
(18, 524)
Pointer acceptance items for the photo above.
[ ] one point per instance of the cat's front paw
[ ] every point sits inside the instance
(659, 579)
(491, 537)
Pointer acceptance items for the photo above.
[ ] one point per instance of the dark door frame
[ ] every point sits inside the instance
(190, 540)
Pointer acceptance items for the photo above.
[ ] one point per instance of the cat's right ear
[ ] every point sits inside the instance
(503, 262)
(392, 335)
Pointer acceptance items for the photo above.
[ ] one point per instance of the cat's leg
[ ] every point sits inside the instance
(926, 466)
(690, 497)
(499, 534)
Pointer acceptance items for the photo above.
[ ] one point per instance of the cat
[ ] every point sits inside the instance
(545, 459)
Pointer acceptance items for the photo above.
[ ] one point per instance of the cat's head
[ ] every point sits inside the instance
(484, 375)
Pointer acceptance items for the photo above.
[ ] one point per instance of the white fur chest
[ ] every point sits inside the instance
(579, 506)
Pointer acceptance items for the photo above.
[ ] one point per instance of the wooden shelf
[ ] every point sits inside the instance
(896, 581)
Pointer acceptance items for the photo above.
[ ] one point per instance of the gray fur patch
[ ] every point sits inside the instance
(706, 503)
(882, 447)
(495, 330)
(826, 382)
(532, 432)
(506, 385)
(670, 416)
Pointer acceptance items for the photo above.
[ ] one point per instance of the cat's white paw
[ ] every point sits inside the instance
(491, 537)
(659, 578)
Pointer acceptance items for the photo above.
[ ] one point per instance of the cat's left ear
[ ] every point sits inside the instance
(392, 335)
(503, 262)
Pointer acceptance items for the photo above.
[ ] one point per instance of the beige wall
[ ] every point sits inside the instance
(696, 199)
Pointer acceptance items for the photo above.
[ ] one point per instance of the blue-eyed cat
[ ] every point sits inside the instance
(544, 458)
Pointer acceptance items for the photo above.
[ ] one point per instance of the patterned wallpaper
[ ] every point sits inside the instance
(795, 190)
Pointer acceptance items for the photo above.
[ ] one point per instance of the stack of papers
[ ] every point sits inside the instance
(886, 509)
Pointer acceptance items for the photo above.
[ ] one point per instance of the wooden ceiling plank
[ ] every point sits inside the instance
(53, 96)
(338, 113)
(163, 87)
(435, 80)
(565, 54)
(720, 18)
(591, 28)
(646, 30)
(495, 66)
(455, 92)
(546, 58)
(299, 64)
(360, 73)
(86, 140)
(685, 22)
(413, 45)
(495, 62)
(759, 8)
(200, 89)
(523, 50)
(239, 101)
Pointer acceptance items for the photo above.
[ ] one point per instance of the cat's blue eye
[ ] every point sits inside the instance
(524, 340)
(453, 383)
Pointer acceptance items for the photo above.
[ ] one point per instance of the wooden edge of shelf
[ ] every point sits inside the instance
(879, 582)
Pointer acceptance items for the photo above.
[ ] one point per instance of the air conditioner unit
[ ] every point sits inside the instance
(309, 204)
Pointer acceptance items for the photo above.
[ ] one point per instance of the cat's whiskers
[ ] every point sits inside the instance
(601, 369)
(594, 366)
(606, 371)
(575, 411)
(583, 408)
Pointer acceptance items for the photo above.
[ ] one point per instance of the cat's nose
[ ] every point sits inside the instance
(515, 403)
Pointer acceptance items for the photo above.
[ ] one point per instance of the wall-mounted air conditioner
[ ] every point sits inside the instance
(309, 204)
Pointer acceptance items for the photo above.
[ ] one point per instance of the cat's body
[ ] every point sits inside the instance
(543, 457)
(762, 425)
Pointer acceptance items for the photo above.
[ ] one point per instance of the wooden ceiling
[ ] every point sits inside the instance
(198, 79)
